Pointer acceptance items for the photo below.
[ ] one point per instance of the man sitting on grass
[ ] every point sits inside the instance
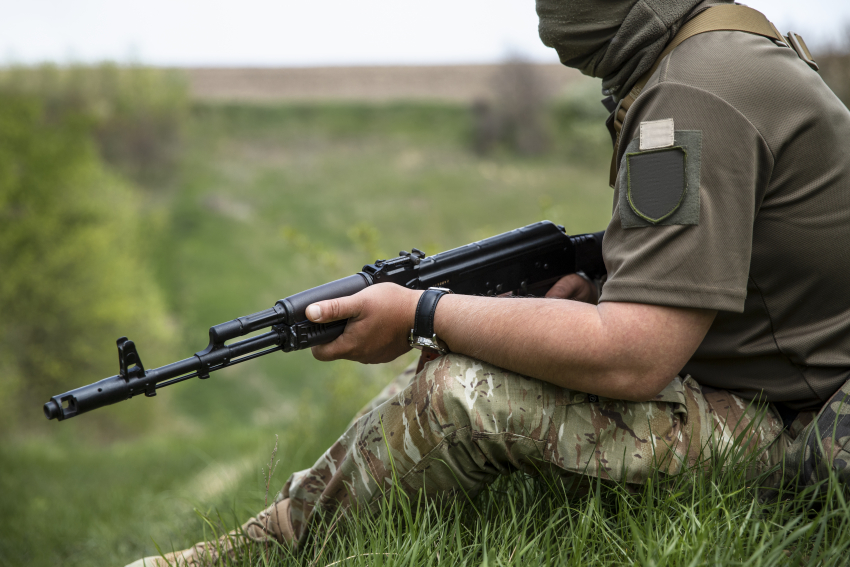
(725, 314)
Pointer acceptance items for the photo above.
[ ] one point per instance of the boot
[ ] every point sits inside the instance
(271, 525)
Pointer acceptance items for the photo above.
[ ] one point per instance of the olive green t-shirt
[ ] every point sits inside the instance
(760, 165)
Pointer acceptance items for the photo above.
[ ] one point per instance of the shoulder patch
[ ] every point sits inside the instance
(656, 182)
(661, 186)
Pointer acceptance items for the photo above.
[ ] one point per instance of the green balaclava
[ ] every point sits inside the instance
(615, 40)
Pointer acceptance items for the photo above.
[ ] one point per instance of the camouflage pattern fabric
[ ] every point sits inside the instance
(391, 390)
(460, 422)
(824, 444)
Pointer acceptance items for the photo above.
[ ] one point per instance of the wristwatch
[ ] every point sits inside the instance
(422, 334)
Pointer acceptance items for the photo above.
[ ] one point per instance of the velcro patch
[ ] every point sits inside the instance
(657, 182)
(656, 134)
(661, 187)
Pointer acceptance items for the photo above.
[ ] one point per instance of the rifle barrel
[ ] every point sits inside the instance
(118, 388)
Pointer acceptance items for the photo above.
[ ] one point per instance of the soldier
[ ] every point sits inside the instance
(726, 310)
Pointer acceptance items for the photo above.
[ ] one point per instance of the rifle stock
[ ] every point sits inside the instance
(525, 261)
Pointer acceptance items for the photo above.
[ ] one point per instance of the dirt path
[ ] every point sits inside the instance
(456, 83)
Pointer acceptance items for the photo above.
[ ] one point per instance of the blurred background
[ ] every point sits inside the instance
(169, 166)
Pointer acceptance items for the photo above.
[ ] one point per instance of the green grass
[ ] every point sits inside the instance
(268, 201)
(685, 520)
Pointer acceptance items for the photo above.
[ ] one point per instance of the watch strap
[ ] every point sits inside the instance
(423, 323)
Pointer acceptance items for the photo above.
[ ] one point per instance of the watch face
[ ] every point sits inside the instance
(418, 342)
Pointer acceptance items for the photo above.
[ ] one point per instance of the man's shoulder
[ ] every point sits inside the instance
(754, 76)
(732, 64)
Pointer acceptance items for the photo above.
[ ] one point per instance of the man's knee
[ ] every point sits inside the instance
(466, 392)
(451, 383)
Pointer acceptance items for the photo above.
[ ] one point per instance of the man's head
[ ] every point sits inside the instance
(615, 40)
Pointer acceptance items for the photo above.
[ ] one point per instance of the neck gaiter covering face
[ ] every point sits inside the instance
(615, 40)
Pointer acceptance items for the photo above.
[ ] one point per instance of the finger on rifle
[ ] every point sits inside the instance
(566, 288)
(333, 309)
(330, 351)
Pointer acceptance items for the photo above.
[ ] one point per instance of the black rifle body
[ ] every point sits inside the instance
(525, 261)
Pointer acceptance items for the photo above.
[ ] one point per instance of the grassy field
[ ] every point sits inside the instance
(265, 202)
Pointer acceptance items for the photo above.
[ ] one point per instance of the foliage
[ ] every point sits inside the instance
(75, 273)
(514, 117)
(137, 114)
(524, 117)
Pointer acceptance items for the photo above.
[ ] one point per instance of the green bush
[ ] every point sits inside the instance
(74, 274)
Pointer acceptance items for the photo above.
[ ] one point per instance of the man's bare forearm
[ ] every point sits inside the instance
(619, 350)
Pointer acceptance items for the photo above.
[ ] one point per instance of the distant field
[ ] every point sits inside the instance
(451, 83)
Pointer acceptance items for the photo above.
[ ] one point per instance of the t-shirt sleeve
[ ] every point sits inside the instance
(698, 255)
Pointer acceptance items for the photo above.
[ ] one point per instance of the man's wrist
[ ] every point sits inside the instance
(422, 334)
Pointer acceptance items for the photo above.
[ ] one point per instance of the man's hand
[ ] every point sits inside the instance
(379, 321)
(576, 288)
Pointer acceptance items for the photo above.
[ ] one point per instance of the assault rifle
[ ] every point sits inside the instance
(523, 262)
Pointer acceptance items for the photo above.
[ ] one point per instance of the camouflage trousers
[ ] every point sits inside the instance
(459, 423)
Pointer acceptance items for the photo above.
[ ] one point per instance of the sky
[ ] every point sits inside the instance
(313, 33)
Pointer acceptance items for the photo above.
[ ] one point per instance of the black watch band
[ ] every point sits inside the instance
(422, 334)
